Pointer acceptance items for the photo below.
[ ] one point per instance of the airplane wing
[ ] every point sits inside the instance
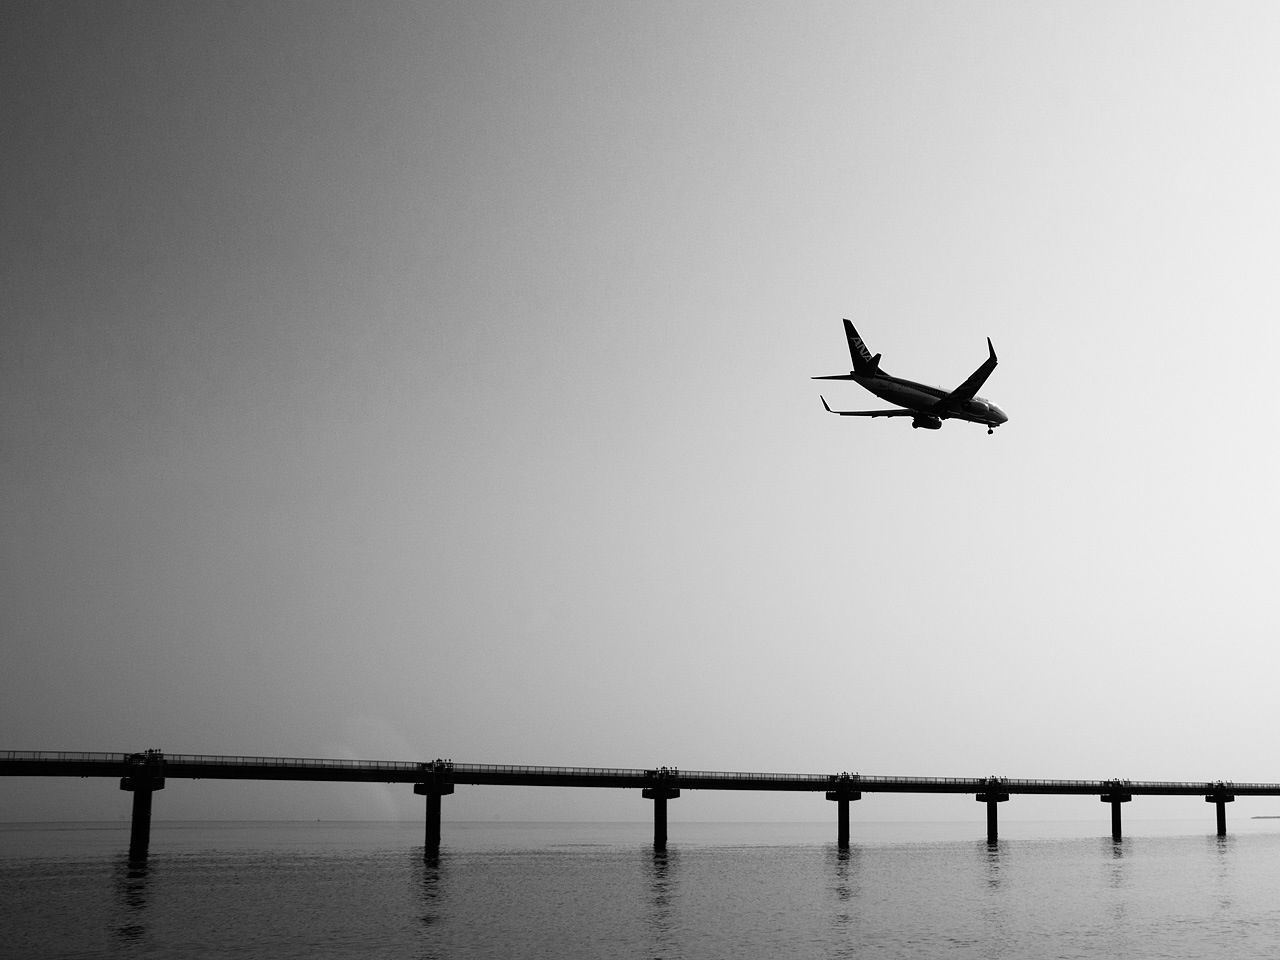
(897, 412)
(971, 386)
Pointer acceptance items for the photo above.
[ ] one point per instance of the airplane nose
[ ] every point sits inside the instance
(999, 415)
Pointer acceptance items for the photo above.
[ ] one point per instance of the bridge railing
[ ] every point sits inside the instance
(640, 775)
(198, 759)
(63, 756)
(729, 776)
(526, 770)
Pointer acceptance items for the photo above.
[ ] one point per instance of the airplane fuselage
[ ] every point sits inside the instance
(921, 398)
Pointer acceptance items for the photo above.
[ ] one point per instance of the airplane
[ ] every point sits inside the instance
(927, 406)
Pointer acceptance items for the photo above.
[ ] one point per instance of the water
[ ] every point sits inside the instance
(333, 890)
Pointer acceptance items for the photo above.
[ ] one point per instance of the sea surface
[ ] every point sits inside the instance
(599, 890)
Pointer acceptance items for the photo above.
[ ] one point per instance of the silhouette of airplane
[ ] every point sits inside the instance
(927, 406)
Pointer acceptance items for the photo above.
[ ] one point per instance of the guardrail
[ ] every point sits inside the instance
(63, 756)
(195, 759)
(525, 770)
(640, 775)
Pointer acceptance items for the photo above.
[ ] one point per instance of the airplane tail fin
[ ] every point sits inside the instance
(863, 362)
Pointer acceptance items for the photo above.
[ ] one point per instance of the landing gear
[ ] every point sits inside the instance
(990, 431)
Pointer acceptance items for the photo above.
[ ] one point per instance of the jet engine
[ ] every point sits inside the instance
(929, 423)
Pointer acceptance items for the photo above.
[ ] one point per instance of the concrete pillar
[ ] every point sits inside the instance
(660, 796)
(1221, 796)
(145, 778)
(663, 789)
(140, 821)
(659, 819)
(1116, 797)
(993, 795)
(435, 788)
(843, 793)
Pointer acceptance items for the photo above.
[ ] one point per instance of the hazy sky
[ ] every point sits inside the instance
(410, 380)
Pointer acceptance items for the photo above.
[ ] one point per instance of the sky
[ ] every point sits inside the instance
(401, 381)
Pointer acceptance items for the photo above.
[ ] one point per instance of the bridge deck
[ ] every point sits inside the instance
(23, 763)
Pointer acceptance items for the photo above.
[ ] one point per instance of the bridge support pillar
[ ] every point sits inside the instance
(433, 789)
(663, 789)
(146, 776)
(1116, 797)
(993, 796)
(1220, 796)
(843, 793)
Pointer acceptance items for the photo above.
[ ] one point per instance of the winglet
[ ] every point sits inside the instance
(824, 403)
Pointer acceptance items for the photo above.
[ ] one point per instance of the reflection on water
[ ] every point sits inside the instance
(520, 891)
(662, 867)
(991, 852)
(999, 905)
(846, 865)
(846, 860)
(431, 890)
(1113, 852)
(1223, 875)
(429, 883)
(131, 892)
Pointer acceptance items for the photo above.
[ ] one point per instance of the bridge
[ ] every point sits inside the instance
(144, 773)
